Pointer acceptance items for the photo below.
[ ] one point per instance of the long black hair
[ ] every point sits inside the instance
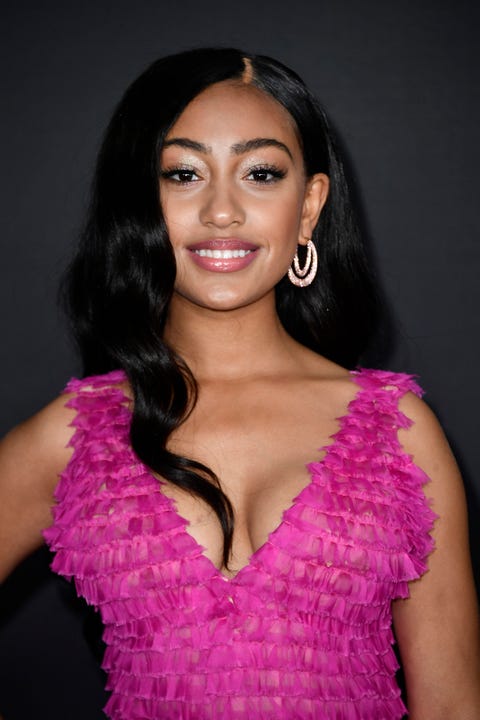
(121, 281)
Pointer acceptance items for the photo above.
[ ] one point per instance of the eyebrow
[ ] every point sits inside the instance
(236, 149)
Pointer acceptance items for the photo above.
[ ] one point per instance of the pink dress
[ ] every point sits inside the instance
(304, 630)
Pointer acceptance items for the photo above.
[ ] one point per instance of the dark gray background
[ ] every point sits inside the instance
(400, 84)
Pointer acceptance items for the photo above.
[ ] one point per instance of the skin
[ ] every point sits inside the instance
(266, 404)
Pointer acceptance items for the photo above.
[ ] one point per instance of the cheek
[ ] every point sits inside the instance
(284, 220)
(178, 218)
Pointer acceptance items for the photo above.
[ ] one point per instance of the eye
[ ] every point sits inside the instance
(182, 176)
(266, 174)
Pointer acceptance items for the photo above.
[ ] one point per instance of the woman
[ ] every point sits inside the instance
(221, 299)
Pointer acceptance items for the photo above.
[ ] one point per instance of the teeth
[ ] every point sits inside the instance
(223, 254)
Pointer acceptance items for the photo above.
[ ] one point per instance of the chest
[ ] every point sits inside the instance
(259, 451)
(343, 527)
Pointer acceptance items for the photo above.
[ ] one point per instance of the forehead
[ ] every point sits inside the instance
(236, 111)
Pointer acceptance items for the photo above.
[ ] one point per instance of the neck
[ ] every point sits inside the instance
(229, 344)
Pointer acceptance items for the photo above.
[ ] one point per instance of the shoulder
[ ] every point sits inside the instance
(395, 383)
(92, 385)
(47, 428)
(396, 391)
(425, 442)
(419, 431)
(32, 456)
(422, 435)
(43, 442)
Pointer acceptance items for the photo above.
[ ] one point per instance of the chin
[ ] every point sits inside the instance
(220, 300)
(224, 303)
(223, 298)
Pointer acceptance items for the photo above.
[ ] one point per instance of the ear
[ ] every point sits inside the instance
(316, 193)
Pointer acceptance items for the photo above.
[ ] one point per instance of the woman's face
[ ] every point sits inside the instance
(234, 196)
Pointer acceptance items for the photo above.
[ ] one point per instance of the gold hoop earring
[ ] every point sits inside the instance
(302, 277)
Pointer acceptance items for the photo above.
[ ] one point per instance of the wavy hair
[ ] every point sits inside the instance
(120, 283)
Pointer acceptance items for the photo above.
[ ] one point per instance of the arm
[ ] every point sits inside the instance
(437, 626)
(32, 456)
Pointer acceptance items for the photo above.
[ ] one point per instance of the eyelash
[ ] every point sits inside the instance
(275, 173)
(170, 175)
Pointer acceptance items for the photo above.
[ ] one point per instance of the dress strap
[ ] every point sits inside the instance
(396, 383)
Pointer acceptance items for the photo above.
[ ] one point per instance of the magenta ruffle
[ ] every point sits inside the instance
(304, 630)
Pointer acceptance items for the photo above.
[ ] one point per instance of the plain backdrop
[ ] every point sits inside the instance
(400, 84)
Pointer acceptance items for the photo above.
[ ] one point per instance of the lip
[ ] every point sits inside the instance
(230, 243)
(223, 265)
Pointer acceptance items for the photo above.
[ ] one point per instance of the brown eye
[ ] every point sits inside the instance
(266, 174)
(180, 175)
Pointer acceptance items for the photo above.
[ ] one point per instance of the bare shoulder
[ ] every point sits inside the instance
(428, 446)
(423, 418)
(45, 435)
(32, 456)
(425, 441)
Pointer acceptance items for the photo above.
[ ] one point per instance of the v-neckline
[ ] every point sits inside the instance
(313, 467)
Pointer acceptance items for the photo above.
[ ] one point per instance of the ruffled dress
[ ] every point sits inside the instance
(304, 630)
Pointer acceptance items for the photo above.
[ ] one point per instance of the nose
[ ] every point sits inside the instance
(221, 206)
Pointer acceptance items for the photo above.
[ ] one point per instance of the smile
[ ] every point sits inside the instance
(222, 254)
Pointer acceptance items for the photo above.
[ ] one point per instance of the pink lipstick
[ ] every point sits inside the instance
(223, 254)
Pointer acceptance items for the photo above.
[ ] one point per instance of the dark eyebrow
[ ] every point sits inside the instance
(189, 144)
(237, 149)
(243, 147)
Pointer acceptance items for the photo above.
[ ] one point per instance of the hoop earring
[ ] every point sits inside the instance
(302, 277)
